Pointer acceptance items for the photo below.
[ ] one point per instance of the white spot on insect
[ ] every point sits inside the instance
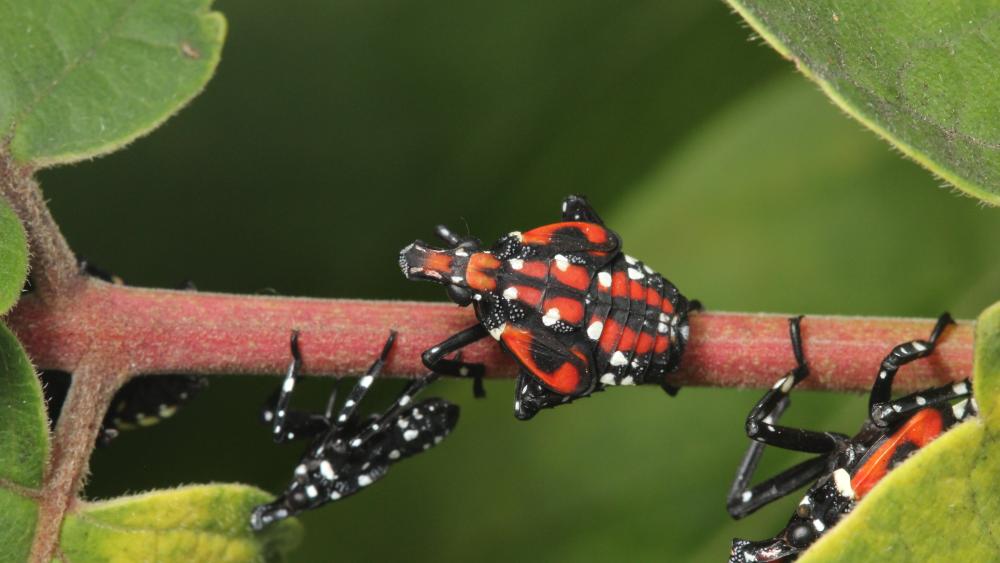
(842, 480)
(326, 470)
(882, 374)
(648, 269)
(402, 423)
(334, 495)
(311, 492)
(685, 332)
(960, 388)
(355, 442)
(349, 403)
(463, 371)
(434, 350)
(437, 439)
(919, 347)
(779, 383)
(561, 262)
(551, 317)
(786, 386)
(608, 379)
(410, 434)
(277, 430)
(819, 525)
(166, 411)
(627, 380)
(662, 328)
(516, 263)
(496, 332)
(366, 381)
(268, 416)
(746, 496)
(342, 418)
(364, 480)
(958, 409)
(921, 401)
(288, 385)
(291, 435)
(457, 279)
(510, 293)
(564, 207)
(394, 454)
(768, 419)
(897, 408)
(618, 359)
(515, 234)
(604, 279)
(517, 406)
(595, 329)
(806, 501)
(417, 415)
(630, 259)
(461, 252)
(300, 469)
(374, 426)
(635, 274)
(477, 297)
(281, 413)
(664, 318)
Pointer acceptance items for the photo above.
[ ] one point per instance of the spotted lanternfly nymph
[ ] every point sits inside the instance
(846, 468)
(575, 312)
(347, 454)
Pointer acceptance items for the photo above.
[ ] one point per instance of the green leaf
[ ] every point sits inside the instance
(919, 74)
(194, 523)
(943, 503)
(24, 447)
(80, 78)
(13, 257)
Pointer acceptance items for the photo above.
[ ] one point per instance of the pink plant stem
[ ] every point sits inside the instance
(148, 331)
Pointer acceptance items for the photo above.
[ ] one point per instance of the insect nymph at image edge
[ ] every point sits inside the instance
(575, 312)
(347, 453)
(846, 468)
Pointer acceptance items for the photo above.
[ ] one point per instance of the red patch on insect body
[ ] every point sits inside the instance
(645, 343)
(653, 297)
(573, 276)
(920, 430)
(525, 293)
(609, 337)
(661, 344)
(570, 310)
(481, 271)
(534, 269)
(619, 285)
(566, 378)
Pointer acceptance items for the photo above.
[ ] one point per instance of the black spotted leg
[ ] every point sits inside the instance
(434, 357)
(392, 413)
(289, 425)
(883, 411)
(763, 429)
(577, 208)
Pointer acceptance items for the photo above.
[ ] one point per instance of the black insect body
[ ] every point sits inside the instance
(347, 453)
(846, 468)
(575, 312)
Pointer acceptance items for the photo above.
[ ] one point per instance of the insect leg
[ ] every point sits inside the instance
(364, 382)
(390, 414)
(902, 408)
(286, 425)
(902, 354)
(434, 359)
(760, 423)
(744, 499)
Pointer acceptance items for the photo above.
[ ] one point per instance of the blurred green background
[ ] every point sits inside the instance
(336, 132)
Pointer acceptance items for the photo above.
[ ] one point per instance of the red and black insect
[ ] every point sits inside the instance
(575, 312)
(846, 468)
(347, 453)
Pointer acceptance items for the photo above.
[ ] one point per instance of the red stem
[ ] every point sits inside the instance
(147, 331)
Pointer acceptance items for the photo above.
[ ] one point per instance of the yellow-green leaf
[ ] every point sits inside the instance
(193, 523)
(920, 74)
(944, 503)
(13, 257)
(79, 78)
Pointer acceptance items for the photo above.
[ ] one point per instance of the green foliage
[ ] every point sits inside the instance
(945, 501)
(194, 523)
(922, 75)
(80, 78)
(24, 446)
(13, 256)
